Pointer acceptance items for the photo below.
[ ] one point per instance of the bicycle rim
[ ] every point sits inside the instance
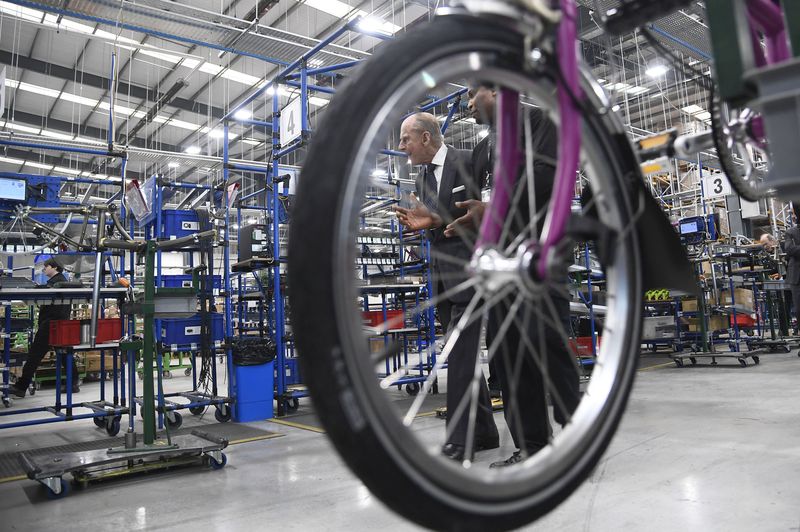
(358, 410)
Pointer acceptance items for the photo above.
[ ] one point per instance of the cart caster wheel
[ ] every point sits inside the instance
(786, 349)
(64, 491)
(112, 427)
(679, 362)
(99, 422)
(217, 465)
(292, 404)
(412, 388)
(221, 416)
(187, 371)
(743, 362)
(693, 360)
(176, 424)
(197, 410)
(167, 374)
(756, 359)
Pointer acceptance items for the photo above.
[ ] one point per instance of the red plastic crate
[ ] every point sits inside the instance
(743, 320)
(373, 318)
(108, 330)
(65, 332)
(582, 346)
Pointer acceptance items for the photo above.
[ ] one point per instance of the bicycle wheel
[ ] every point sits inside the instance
(396, 452)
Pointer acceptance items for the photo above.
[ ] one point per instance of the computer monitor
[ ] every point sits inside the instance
(12, 189)
(689, 227)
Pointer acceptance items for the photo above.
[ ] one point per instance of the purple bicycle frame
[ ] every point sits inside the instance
(764, 16)
(569, 141)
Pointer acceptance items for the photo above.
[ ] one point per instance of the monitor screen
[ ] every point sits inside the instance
(12, 189)
(688, 227)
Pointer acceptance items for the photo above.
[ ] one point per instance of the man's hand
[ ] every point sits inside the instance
(471, 221)
(418, 216)
(775, 276)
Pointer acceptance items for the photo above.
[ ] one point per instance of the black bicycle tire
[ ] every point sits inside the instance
(311, 267)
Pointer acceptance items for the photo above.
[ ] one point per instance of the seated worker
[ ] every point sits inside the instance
(41, 340)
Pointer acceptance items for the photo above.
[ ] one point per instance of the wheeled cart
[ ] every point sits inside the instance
(85, 466)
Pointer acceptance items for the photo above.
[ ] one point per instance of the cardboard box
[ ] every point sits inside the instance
(92, 361)
(715, 323)
(689, 305)
(658, 328)
(743, 298)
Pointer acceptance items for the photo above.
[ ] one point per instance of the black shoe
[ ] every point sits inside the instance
(495, 393)
(511, 460)
(17, 392)
(456, 451)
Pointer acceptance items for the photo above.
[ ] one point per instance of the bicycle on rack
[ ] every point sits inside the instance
(516, 279)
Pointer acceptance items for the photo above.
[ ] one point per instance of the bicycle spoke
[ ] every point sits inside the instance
(430, 303)
(466, 319)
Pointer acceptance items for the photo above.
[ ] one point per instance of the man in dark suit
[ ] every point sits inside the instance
(791, 246)
(41, 340)
(443, 182)
(523, 381)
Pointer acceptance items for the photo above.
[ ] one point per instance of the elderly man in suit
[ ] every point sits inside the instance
(791, 246)
(442, 182)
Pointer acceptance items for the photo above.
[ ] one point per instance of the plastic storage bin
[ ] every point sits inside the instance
(373, 318)
(253, 390)
(65, 333)
(181, 331)
(177, 224)
(185, 281)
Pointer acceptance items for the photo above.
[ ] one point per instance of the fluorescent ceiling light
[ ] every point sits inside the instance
(174, 164)
(656, 71)
(216, 133)
(193, 150)
(483, 133)
(242, 114)
(11, 160)
(65, 170)
(341, 10)
(319, 102)
(697, 112)
(332, 7)
(39, 165)
(370, 23)
(378, 172)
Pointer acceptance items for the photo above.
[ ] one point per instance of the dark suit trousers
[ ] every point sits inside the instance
(460, 372)
(521, 376)
(796, 302)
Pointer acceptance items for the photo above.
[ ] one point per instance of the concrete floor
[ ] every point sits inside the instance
(699, 449)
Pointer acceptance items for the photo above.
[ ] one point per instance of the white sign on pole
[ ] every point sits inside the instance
(716, 186)
(3, 91)
(290, 122)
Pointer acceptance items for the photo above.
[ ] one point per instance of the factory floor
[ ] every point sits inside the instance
(699, 449)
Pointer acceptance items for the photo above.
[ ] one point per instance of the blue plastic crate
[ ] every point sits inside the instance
(185, 281)
(177, 224)
(253, 390)
(180, 331)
